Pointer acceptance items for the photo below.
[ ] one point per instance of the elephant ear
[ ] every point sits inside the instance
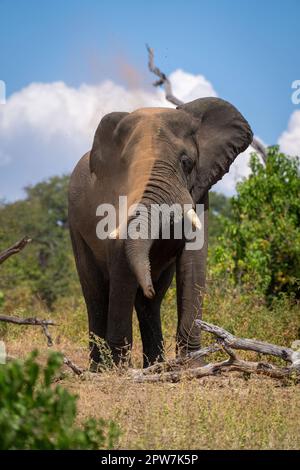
(105, 148)
(221, 133)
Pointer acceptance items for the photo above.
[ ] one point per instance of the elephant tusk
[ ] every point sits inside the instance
(194, 219)
(118, 232)
(114, 234)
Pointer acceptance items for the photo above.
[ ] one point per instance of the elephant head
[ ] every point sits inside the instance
(168, 156)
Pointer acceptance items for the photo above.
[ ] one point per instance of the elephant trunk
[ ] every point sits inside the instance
(138, 251)
(138, 257)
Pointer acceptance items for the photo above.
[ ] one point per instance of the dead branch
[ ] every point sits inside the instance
(14, 249)
(181, 361)
(77, 370)
(26, 321)
(244, 344)
(48, 336)
(212, 369)
(260, 149)
(172, 372)
(165, 82)
(163, 79)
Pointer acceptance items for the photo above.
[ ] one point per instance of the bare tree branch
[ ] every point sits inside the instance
(173, 373)
(47, 334)
(244, 344)
(14, 249)
(163, 79)
(230, 365)
(77, 370)
(165, 82)
(260, 149)
(26, 321)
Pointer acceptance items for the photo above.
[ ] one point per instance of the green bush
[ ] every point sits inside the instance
(260, 245)
(37, 415)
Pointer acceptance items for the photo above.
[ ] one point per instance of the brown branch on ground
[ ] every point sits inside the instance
(244, 344)
(165, 82)
(181, 361)
(227, 342)
(14, 249)
(26, 321)
(77, 370)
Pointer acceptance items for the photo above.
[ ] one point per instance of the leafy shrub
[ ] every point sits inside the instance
(260, 246)
(36, 415)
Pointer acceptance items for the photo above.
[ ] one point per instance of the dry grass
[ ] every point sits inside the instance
(226, 412)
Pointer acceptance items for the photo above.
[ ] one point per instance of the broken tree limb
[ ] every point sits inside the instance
(260, 149)
(26, 321)
(175, 364)
(245, 344)
(164, 81)
(47, 334)
(173, 372)
(212, 369)
(14, 249)
(77, 370)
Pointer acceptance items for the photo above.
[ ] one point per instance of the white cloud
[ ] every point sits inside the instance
(289, 140)
(188, 87)
(46, 127)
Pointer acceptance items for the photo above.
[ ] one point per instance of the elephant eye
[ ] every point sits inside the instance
(187, 163)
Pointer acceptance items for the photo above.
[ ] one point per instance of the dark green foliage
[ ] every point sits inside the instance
(46, 267)
(219, 207)
(36, 415)
(260, 246)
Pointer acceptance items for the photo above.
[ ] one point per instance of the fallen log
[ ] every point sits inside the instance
(174, 372)
(245, 344)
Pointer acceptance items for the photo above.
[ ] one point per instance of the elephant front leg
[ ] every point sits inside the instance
(148, 313)
(190, 282)
(123, 287)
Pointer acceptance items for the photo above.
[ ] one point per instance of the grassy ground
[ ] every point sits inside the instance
(225, 412)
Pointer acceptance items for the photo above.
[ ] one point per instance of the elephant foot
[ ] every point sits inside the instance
(95, 367)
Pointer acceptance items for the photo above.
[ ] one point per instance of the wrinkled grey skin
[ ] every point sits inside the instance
(140, 155)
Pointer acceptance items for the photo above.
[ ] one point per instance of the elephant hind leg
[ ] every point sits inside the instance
(148, 313)
(95, 291)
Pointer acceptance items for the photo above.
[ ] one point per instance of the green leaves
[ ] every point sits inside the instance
(47, 268)
(260, 245)
(36, 415)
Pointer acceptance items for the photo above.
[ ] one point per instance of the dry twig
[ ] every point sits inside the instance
(26, 321)
(14, 249)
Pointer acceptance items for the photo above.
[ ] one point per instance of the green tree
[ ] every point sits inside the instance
(47, 266)
(260, 245)
(219, 207)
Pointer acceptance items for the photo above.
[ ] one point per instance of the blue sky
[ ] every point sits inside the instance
(247, 49)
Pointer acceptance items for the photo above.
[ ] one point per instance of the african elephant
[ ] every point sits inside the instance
(152, 155)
